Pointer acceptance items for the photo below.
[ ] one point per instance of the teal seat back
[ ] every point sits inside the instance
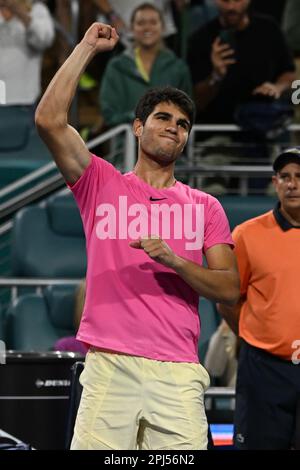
(21, 151)
(60, 301)
(48, 240)
(35, 322)
(15, 125)
(242, 208)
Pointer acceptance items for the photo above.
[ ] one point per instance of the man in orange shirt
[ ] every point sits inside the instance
(267, 317)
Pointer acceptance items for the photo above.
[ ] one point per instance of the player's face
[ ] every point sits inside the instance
(164, 134)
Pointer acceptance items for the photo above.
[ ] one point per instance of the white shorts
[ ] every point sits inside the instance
(130, 402)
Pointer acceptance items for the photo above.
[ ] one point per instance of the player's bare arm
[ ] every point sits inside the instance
(69, 150)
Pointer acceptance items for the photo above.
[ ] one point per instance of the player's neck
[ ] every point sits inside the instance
(157, 176)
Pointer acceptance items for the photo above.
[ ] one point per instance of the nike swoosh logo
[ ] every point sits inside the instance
(157, 199)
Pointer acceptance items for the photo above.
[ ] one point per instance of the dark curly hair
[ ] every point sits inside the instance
(166, 94)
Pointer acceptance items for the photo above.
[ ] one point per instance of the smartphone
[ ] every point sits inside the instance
(227, 36)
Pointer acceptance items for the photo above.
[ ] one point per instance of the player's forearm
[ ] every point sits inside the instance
(55, 104)
(217, 285)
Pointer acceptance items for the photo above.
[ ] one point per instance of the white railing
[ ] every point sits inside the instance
(197, 167)
(224, 392)
(14, 284)
(220, 128)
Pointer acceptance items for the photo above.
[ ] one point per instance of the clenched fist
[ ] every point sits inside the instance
(101, 37)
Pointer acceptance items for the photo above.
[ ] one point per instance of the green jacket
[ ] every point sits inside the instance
(122, 84)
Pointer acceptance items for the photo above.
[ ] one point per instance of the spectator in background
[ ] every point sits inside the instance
(62, 13)
(119, 13)
(237, 58)
(26, 30)
(70, 343)
(147, 64)
(67, 36)
(221, 357)
(200, 12)
(267, 317)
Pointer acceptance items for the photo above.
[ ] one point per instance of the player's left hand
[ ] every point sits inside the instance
(157, 249)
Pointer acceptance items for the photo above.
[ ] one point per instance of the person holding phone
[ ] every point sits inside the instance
(236, 58)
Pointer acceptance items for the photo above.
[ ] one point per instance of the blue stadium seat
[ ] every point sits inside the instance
(21, 148)
(35, 322)
(48, 240)
(16, 122)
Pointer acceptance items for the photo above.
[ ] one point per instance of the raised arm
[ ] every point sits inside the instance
(68, 149)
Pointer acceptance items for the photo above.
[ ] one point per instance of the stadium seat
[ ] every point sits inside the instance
(241, 208)
(21, 148)
(15, 127)
(48, 240)
(35, 322)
